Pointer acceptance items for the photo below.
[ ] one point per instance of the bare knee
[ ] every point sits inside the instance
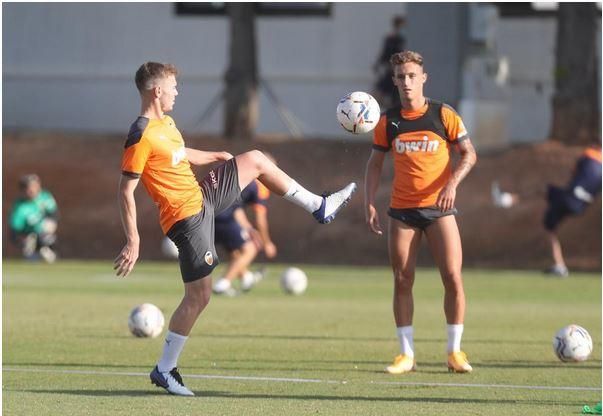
(403, 281)
(255, 158)
(196, 300)
(453, 282)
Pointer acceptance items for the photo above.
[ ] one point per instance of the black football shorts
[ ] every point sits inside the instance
(419, 217)
(194, 235)
(560, 204)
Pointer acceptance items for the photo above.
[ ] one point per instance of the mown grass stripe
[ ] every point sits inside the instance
(307, 380)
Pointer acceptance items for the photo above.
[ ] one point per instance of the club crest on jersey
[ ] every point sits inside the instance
(178, 155)
(423, 145)
(209, 258)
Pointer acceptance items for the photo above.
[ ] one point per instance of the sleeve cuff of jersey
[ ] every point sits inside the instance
(460, 139)
(380, 148)
(130, 174)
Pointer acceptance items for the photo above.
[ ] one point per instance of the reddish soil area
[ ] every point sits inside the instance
(82, 171)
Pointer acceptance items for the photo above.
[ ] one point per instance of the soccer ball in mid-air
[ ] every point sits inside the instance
(358, 112)
(169, 249)
(146, 320)
(294, 281)
(572, 343)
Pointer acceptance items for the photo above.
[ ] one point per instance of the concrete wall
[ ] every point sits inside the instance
(436, 30)
(71, 65)
(529, 43)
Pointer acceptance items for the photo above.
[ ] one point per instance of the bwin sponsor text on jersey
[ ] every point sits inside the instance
(424, 145)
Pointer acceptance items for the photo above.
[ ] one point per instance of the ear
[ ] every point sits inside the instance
(424, 77)
(157, 91)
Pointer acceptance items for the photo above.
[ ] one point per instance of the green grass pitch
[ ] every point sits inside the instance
(66, 349)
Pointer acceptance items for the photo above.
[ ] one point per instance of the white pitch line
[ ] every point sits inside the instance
(304, 380)
(205, 376)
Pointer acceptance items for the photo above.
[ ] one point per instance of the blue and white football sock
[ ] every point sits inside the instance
(171, 351)
(302, 197)
(455, 333)
(405, 336)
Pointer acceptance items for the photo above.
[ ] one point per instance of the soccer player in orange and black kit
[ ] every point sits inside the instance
(420, 134)
(155, 153)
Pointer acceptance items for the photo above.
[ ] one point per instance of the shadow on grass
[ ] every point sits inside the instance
(362, 339)
(295, 337)
(432, 367)
(82, 366)
(263, 396)
(93, 393)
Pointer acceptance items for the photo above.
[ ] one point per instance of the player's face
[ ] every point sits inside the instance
(167, 92)
(409, 79)
(32, 190)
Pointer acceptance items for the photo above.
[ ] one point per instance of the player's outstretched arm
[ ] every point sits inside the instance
(447, 196)
(374, 167)
(125, 260)
(200, 157)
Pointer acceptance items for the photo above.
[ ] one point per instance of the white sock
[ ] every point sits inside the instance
(302, 197)
(405, 335)
(455, 333)
(171, 351)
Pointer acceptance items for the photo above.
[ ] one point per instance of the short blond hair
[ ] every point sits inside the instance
(405, 57)
(150, 72)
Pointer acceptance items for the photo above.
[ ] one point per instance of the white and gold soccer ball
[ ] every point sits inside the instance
(572, 344)
(358, 112)
(294, 281)
(146, 321)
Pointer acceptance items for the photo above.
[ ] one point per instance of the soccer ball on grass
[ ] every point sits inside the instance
(146, 320)
(358, 112)
(572, 344)
(294, 281)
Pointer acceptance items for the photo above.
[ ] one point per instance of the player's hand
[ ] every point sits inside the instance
(255, 237)
(446, 197)
(124, 262)
(225, 156)
(270, 250)
(372, 220)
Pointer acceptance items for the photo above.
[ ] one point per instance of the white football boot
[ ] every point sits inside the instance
(332, 204)
(171, 381)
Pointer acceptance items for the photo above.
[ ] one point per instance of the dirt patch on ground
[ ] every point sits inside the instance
(82, 171)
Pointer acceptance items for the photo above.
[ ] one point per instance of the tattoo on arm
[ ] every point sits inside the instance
(468, 159)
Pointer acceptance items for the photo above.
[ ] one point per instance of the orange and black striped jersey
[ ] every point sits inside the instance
(154, 152)
(420, 142)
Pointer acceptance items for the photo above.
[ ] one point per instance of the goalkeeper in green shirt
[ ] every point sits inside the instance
(33, 220)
